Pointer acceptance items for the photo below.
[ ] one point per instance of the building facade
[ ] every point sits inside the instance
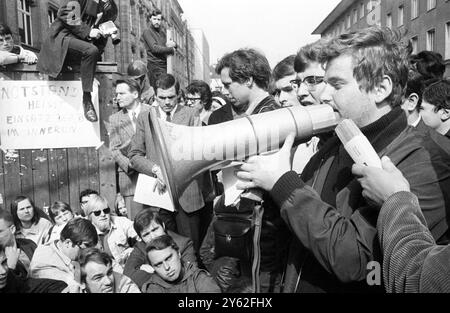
(426, 23)
(29, 20)
(201, 52)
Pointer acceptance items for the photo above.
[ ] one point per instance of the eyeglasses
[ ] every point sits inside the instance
(193, 99)
(309, 81)
(105, 210)
(84, 245)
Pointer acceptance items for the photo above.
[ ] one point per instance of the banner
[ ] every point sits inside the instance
(45, 115)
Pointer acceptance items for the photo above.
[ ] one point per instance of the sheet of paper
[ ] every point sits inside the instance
(144, 194)
(230, 181)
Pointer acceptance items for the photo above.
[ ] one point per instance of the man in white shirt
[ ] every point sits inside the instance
(122, 127)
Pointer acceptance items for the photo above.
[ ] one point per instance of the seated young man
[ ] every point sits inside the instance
(97, 275)
(11, 283)
(148, 225)
(172, 275)
(11, 53)
(57, 259)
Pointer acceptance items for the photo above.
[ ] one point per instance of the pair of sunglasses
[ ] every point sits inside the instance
(105, 210)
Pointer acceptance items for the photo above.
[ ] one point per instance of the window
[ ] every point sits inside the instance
(361, 10)
(52, 13)
(414, 9)
(415, 44)
(25, 28)
(355, 16)
(430, 39)
(431, 4)
(389, 20)
(348, 21)
(447, 41)
(400, 15)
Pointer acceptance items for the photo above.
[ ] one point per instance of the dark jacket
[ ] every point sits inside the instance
(194, 280)
(274, 233)
(412, 262)
(155, 43)
(55, 46)
(27, 246)
(138, 257)
(15, 284)
(335, 226)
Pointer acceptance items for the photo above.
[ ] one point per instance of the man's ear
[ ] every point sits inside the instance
(412, 102)
(249, 82)
(383, 90)
(13, 228)
(445, 114)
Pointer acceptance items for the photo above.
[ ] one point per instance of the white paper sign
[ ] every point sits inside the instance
(144, 194)
(45, 115)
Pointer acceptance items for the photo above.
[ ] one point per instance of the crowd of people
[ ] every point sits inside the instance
(309, 219)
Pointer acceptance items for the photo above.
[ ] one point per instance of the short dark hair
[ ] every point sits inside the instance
(167, 81)
(132, 84)
(155, 12)
(245, 64)
(87, 192)
(15, 203)
(438, 94)
(202, 88)
(80, 230)
(5, 30)
(161, 243)
(429, 64)
(92, 255)
(144, 218)
(56, 208)
(284, 68)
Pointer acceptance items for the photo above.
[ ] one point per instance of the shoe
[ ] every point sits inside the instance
(89, 111)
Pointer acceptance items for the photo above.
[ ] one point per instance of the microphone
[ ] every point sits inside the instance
(356, 144)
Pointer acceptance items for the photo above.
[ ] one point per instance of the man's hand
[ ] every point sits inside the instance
(30, 59)
(379, 184)
(171, 44)
(12, 255)
(159, 183)
(95, 33)
(263, 171)
(147, 268)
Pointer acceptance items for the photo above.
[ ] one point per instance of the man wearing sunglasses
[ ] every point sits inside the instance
(115, 233)
(57, 259)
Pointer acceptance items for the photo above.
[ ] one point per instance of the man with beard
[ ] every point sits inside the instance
(115, 233)
(158, 47)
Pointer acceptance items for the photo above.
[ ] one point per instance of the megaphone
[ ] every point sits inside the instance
(185, 152)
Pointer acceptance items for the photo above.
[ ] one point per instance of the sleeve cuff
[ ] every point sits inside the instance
(284, 187)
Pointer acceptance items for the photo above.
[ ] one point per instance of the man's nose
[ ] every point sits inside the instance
(302, 91)
(166, 266)
(326, 96)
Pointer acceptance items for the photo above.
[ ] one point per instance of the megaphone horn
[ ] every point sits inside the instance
(185, 152)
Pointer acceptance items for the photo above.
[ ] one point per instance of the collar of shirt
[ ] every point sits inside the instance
(136, 110)
(416, 122)
(163, 115)
(67, 261)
